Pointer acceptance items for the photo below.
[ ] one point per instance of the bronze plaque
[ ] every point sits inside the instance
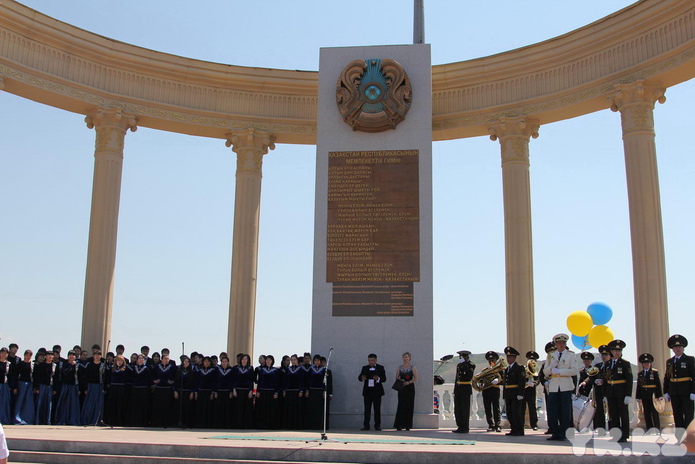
(372, 299)
(373, 219)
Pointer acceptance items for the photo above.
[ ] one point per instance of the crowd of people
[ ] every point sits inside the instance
(86, 388)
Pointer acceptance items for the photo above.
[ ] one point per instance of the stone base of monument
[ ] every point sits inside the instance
(69, 445)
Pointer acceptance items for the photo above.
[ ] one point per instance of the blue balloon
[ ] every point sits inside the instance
(600, 313)
(582, 343)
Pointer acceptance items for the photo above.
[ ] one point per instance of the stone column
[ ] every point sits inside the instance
(513, 134)
(636, 105)
(111, 126)
(250, 145)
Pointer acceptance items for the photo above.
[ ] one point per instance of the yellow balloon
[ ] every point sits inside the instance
(579, 323)
(600, 335)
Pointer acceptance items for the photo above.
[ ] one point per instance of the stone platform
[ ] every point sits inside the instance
(89, 445)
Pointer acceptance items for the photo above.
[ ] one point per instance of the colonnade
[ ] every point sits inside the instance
(634, 101)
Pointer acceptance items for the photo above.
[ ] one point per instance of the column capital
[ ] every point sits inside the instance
(111, 117)
(625, 95)
(250, 145)
(514, 127)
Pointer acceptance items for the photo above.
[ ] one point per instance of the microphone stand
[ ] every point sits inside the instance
(324, 436)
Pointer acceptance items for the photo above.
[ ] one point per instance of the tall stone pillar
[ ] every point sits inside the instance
(636, 105)
(111, 126)
(513, 134)
(250, 145)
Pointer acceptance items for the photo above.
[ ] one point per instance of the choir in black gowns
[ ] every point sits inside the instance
(139, 401)
(185, 385)
(117, 397)
(293, 392)
(68, 405)
(5, 390)
(43, 388)
(93, 404)
(315, 390)
(164, 376)
(24, 412)
(207, 387)
(268, 390)
(223, 414)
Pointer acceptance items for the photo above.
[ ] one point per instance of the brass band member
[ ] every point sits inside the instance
(491, 397)
(463, 391)
(648, 386)
(514, 384)
(531, 373)
(619, 390)
(545, 381)
(679, 381)
(600, 387)
(586, 382)
(561, 366)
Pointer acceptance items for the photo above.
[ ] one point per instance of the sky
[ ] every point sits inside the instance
(177, 202)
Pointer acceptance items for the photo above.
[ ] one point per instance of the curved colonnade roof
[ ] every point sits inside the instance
(60, 65)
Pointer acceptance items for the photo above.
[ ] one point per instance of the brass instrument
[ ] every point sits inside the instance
(532, 372)
(483, 380)
(550, 355)
(593, 371)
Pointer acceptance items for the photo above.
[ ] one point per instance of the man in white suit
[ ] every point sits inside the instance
(560, 367)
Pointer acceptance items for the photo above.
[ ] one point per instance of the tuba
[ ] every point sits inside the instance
(532, 371)
(483, 380)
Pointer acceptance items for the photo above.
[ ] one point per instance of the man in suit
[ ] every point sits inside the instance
(679, 382)
(514, 384)
(372, 377)
(560, 367)
(463, 391)
(619, 390)
(648, 386)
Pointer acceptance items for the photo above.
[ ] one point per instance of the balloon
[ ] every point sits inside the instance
(600, 335)
(600, 313)
(579, 323)
(581, 343)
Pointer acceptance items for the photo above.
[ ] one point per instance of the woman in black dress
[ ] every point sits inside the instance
(406, 396)
(139, 401)
(267, 392)
(117, 397)
(164, 375)
(316, 392)
(293, 392)
(225, 384)
(242, 393)
(205, 396)
(184, 393)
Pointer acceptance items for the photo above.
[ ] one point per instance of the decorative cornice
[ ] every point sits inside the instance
(66, 67)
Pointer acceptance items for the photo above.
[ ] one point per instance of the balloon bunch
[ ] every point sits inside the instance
(588, 328)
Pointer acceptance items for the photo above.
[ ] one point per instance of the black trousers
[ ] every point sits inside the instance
(600, 412)
(651, 417)
(619, 416)
(372, 399)
(682, 410)
(530, 400)
(462, 410)
(514, 416)
(491, 403)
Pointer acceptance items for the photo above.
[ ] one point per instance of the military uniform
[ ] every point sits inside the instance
(618, 381)
(514, 384)
(600, 389)
(530, 394)
(491, 399)
(560, 368)
(648, 386)
(462, 392)
(586, 382)
(679, 383)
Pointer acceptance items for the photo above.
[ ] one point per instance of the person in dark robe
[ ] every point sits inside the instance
(14, 361)
(293, 393)
(68, 405)
(93, 405)
(25, 411)
(117, 397)
(242, 393)
(164, 377)
(305, 364)
(139, 401)
(81, 374)
(225, 384)
(205, 396)
(267, 393)
(329, 390)
(316, 393)
(6, 371)
(44, 374)
(184, 393)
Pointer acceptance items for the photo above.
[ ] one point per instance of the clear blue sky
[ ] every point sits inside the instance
(174, 243)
